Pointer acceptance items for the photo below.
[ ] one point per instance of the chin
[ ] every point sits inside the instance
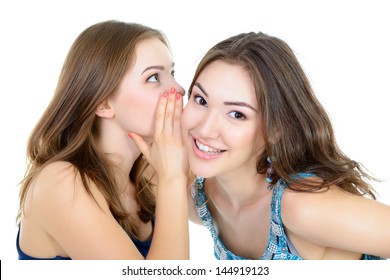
(202, 170)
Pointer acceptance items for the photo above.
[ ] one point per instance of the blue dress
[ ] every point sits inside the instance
(278, 248)
(142, 246)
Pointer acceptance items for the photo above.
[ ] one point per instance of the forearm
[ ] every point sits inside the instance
(171, 233)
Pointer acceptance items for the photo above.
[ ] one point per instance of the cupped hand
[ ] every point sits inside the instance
(166, 154)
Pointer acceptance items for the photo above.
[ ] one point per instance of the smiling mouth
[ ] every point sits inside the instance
(207, 149)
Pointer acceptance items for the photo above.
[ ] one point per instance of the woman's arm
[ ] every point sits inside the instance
(337, 219)
(168, 157)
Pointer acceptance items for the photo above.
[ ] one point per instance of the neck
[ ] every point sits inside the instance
(120, 149)
(240, 189)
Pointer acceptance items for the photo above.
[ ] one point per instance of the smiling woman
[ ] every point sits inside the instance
(256, 133)
(227, 121)
(86, 194)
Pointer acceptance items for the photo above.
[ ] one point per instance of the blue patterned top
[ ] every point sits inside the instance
(278, 247)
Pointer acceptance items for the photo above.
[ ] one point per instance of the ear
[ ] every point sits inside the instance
(105, 110)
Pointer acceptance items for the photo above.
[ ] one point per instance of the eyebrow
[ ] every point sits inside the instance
(158, 67)
(229, 103)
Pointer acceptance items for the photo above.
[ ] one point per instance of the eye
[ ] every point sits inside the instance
(153, 78)
(173, 73)
(200, 100)
(237, 115)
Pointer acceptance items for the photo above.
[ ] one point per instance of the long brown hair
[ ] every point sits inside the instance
(298, 132)
(67, 130)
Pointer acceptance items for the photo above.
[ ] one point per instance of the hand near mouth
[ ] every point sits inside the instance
(167, 153)
(168, 157)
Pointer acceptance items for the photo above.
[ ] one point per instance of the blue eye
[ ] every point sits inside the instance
(153, 78)
(200, 100)
(237, 115)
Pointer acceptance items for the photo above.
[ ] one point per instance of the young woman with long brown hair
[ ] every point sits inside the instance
(271, 181)
(86, 194)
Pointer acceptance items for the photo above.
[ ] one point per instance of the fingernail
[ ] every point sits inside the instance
(165, 94)
(178, 95)
(130, 135)
(173, 90)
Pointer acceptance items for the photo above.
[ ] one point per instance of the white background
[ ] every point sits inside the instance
(343, 46)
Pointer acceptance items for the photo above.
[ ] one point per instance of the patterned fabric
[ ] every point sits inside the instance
(277, 247)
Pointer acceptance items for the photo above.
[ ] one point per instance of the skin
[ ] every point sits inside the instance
(58, 209)
(238, 198)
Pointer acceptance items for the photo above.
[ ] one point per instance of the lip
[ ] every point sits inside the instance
(201, 154)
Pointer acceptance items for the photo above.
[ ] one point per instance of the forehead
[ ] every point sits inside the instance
(151, 51)
(232, 82)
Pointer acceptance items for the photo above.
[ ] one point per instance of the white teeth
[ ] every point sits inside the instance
(206, 149)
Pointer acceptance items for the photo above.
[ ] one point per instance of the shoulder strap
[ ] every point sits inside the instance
(198, 193)
(277, 194)
(277, 234)
(200, 199)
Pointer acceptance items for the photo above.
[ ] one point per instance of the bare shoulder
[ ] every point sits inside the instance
(57, 169)
(65, 214)
(57, 178)
(54, 180)
(303, 205)
(315, 217)
(316, 213)
(59, 186)
(312, 216)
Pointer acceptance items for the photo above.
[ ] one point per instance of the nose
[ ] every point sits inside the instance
(208, 126)
(178, 87)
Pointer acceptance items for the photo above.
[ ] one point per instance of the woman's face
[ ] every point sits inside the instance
(221, 121)
(136, 97)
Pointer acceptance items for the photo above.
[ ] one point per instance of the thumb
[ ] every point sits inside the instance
(141, 144)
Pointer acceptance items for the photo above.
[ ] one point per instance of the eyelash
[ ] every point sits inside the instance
(198, 99)
(233, 114)
(153, 76)
(242, 116)
(156, 76)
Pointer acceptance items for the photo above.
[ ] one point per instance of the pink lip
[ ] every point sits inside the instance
(202, 155)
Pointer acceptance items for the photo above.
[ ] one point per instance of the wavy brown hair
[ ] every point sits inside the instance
(297, 130)
(68, 129)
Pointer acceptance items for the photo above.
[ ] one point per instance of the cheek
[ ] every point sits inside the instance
(243, 139)
(146, 111)
(137, 113)
(187, 119)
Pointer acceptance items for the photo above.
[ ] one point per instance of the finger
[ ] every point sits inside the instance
(160, 112)
(170, 111)
(178, 113)
(141, 144)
